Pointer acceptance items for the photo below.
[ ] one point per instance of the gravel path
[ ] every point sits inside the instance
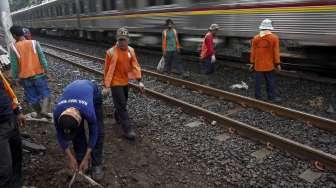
(288, 128)
(169, 154)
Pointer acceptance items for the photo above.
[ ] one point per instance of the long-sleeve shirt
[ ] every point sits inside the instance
(80, 95)
(15, 61)
(265, 52)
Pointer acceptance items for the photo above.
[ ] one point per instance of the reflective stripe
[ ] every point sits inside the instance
(15, 50)
(34, 46)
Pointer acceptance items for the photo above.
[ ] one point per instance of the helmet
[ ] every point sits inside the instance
(266, 24)
(213, 27)
(122, 33)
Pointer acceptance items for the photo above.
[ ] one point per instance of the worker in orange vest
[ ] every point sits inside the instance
(265, 58)
(207, 55)
(121, 65)
(11, 118)
(171, 47)
(29, 66)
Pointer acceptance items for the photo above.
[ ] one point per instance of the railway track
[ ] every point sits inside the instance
(93, 65)
(232, 63)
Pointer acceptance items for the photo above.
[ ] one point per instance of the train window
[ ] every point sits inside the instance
(168, 2)
(104, 5)
(159, 2)
(81, 7)
(74, 8)
(51, 11)
(113, 5)
(57, 11)
(66, 9)
(151, 2)
(130, 4)
(92, 5)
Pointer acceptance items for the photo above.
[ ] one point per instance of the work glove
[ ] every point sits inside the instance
(106, 91)
(213, 59)
(142, 87)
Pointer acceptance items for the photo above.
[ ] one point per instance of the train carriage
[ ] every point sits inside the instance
(304, 26)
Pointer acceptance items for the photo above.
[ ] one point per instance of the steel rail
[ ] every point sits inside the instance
(319, 122)
(300, 150)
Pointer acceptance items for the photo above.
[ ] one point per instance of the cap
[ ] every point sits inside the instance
(213, 27)
(122, 33)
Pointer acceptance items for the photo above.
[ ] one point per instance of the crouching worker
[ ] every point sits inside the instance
(30, 66)
(10, 140)
(81, 100)
(121, 65)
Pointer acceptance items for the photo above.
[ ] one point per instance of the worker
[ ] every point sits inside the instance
(81, 100)
(171, 47)
(27, 34)
(265, 59)
(29, 67)
(207, 55)
(11, 118)
(121, 65)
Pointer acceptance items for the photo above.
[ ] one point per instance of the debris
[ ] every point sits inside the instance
(242, 85)
(27, 145)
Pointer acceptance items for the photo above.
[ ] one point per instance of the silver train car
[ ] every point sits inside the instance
(304, 26)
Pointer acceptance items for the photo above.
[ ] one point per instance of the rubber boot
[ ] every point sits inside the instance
(45, 109)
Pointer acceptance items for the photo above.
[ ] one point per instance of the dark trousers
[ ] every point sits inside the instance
(207, 67)
(11, 155)
(120, 96)
(270, 84)
(172, 59)
(80, 142)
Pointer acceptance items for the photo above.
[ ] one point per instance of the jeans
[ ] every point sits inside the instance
(120, 96)
(11, 155)
(207, 67)
(35, 89)
(270, 84)
(80, 143)
(171, 59)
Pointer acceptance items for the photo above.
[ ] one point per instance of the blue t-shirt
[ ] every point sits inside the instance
(80, 95)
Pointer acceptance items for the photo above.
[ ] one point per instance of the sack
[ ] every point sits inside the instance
(161, 64)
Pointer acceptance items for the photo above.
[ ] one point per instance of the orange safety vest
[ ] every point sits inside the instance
(111, 61)
(265, 52)
(164, 40)
(9, 91)
(29, 62)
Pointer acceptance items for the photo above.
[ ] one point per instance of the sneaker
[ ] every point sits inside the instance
(97, 173)
(130, 134)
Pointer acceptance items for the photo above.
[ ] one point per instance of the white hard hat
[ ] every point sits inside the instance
(213, 27)
(122, 33)
(266, 24)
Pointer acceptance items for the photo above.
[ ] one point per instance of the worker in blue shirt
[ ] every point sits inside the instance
(81, 100)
